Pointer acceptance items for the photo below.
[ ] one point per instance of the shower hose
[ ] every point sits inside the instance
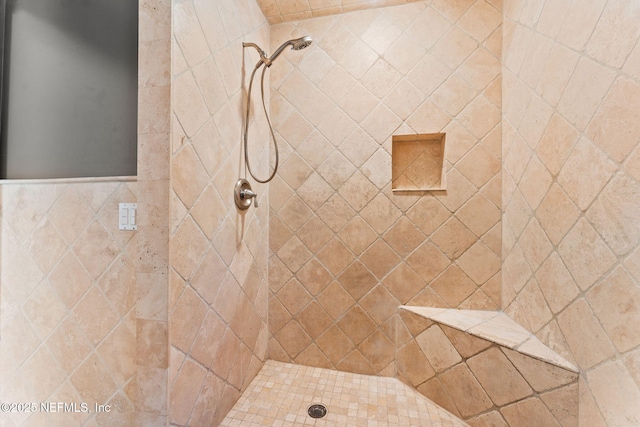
(246, 128)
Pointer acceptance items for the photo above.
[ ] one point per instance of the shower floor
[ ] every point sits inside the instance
(281, 393)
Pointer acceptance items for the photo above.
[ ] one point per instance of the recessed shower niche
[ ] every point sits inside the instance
(418, 162)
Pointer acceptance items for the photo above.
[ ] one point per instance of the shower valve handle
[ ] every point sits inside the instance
(248, 194)
(243, 194)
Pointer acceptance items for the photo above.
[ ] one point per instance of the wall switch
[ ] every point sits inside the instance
(127, 216)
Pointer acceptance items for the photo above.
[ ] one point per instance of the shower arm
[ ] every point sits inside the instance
(263, 55)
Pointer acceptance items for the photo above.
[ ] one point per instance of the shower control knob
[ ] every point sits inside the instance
(248, 194)
(243, 194)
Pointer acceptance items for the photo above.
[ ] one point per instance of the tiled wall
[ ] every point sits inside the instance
(219, 290)
(83, 316)
(278, 11)
(152, 267)
(571, 193)
(346, 251)
(485, 368)
(68, 301)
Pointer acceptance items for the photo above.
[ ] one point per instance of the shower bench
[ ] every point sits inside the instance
(485, 368)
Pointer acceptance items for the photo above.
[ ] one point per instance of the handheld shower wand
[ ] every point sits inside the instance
(296, 44)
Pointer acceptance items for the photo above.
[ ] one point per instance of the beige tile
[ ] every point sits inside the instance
(619, 22)
(556, 214)
(465, 344)
(226, 356)
(403, 283)
(460, 319)
(118, 351)
(184, 392)
(412, 364)
(579, 24)
(479, 214)
(499, 378)
(94, 316)
(535, 182)
(502, 330)
(556, 283)
(294, 213)
(152, 343)
(293, 338)
(155, 20)
(557, 71)
(315, 277)
(335, 300)
(228, 298)
(119, 282)
(438, 349)
(428, 261)
(358, 235)
(300, 384)
(314, 319)
(70, 214)
(479, 263)
(556, 143)
(465, 391)
(357, 280)
(535, 244)
(588, 411)
(563, 404)
(334, 344)
(45, 374)
(615, 301)
(336, 213)
(335, 256)
(632, 361)
(44, 309)
(586, 338)
(516, 271)
(68, 344)
(428, 214)
(585, 160)
(530, 410)
(453, 285)
(45, 235)
(189, 311)
(453, 95)
(612, 213)
(594, 256)
(453, 238)
(492, 418)
(403, 237)
(534, 306)
(615, 393)
(585, 90)
(93, 382)
(356, 324)
(96, 249)
(293, 296)
(540, 375)
(189, 245)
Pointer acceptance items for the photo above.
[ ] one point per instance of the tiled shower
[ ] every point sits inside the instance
(169, 325)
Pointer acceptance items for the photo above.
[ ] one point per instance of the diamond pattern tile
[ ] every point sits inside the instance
(572, 168)
(219, 258)
(375, 246)
(69, 292)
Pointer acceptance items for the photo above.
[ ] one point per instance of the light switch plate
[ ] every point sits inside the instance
(127, 216)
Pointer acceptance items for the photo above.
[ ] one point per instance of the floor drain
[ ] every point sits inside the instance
(317, 411)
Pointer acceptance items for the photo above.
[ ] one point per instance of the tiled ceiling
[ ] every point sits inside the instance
(278, 11)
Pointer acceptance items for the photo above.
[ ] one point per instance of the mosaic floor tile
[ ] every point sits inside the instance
(281, 394)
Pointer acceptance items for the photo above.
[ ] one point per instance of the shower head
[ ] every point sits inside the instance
(296, 44)
(301, 43)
